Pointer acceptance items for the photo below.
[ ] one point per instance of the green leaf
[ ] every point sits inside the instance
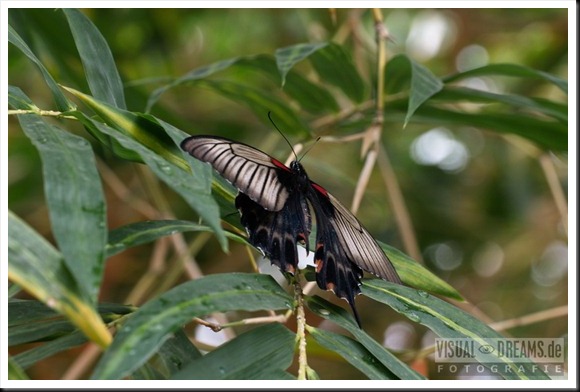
(423, 84)
(354, 352)
(41, 330)
(30, 357)
(39, 269)
(310, 96)
(250, 356)
(341, 317)
(191, 76)
(287, 57)
(176, 353)
(196, 190)
(260, 102)
(135, 132)
(417, 276)
(101, 71)
(143, 232)
(143, 128)
(75, 200)
(15, 372)
(334, 65)
(556, 110)
(146, 330)
(514, 70)
(547, 134)
(447, 321)
(62, 103)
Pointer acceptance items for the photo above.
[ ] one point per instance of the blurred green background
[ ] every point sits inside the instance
(484, 217)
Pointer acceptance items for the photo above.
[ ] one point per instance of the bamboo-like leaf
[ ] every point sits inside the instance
(250, 356)
(176, 353)
(100, 69)
(448, 321)
(62, 103)
(30, 357)
(75, 200)
(39, 269)
(140, 127)
(143, 232)
(194, 189)
(310, 96)
(341, 317)
(423, 84)
(153, 323)
(155, 142)
(334, 65)
(548, 134)
(514, 70)
(287, 57)
(354, 352)
(417, 276)
(15, 372)
(556, 110)
(260, 102)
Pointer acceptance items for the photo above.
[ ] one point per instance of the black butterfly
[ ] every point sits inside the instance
(274, 202)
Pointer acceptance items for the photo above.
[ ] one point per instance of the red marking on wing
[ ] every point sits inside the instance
(318, 263)
(319, 188)
(280, 164)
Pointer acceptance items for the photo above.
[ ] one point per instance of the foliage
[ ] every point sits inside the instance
(319, 81)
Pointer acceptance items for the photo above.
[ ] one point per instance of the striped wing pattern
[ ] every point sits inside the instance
(275, 212)
(360, 246)
(344, 248)
(248, 169)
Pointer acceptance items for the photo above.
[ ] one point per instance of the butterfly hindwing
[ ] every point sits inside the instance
(276, 233)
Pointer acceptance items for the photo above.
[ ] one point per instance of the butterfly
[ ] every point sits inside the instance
(275, 203)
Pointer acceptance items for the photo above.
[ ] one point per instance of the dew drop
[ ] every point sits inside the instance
(165, 169)
(324, 312)
(413, 316)
(423, 294)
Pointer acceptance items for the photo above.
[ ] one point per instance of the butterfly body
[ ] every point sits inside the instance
(275, 203)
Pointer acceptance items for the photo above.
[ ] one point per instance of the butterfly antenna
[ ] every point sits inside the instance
(309, 148)
(280, 132)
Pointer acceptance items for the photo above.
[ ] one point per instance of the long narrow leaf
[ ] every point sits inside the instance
(514, 70)
(354, 352)
(30, 357)
(39, 269)
(423, 84)
(143, 232)
(62, 103)
(287, 57)
(260, 102)
(146, 330)
(449, 322)
(101, 71)
(417, 276)
(341, 317)
(194, 189)
(155, 143)
(334, 65)
(534, 105)
(251, 356)
(75, 200)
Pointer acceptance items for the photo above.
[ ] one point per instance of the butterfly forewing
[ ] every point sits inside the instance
(360, 245)
(248, 169)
